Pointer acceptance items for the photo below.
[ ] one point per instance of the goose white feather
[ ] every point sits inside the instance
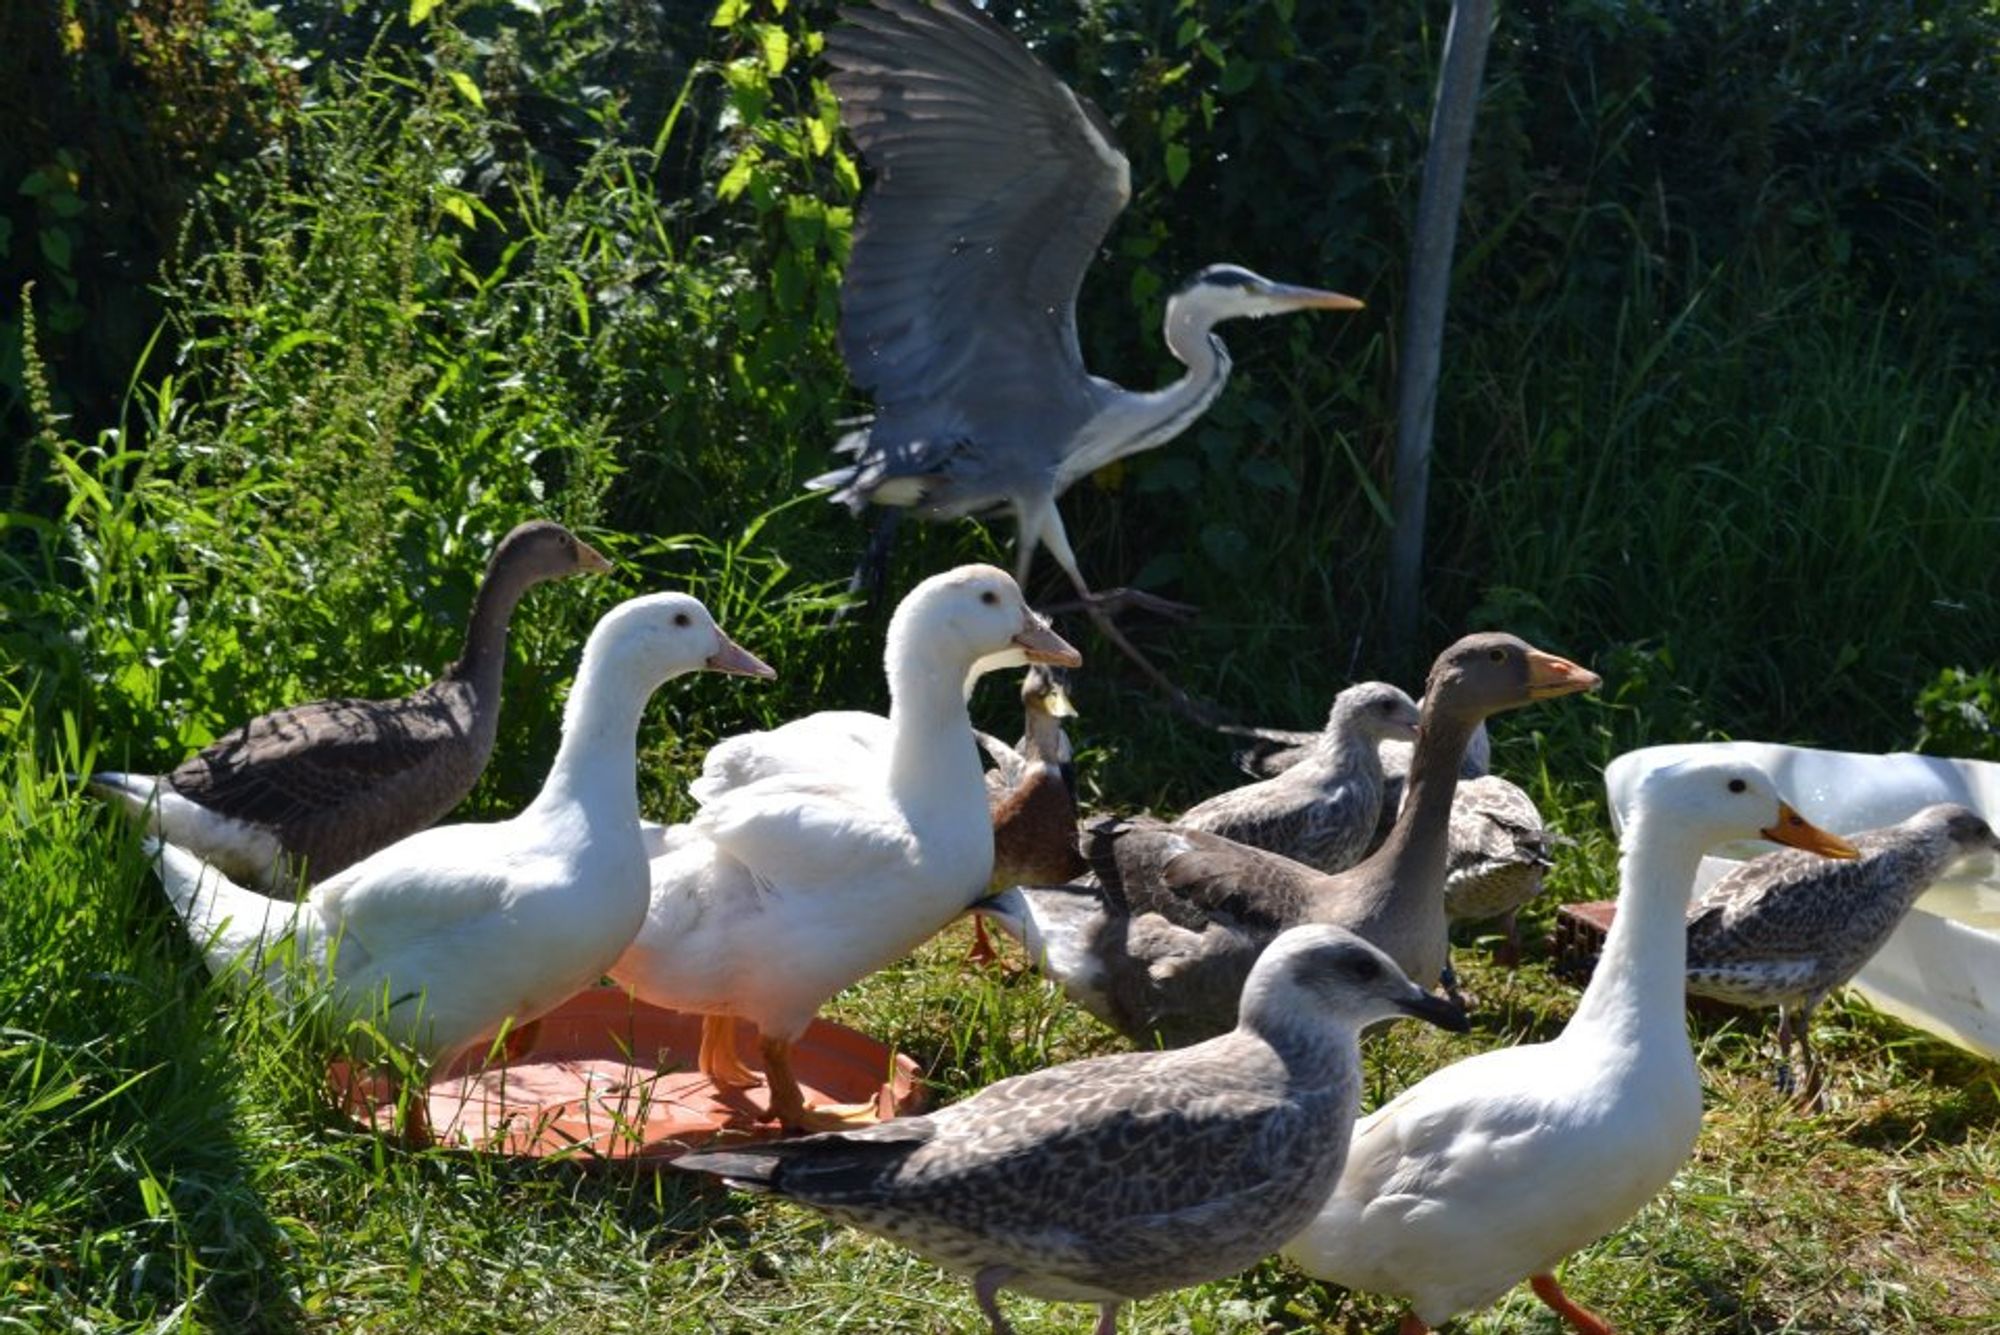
(462, 928)
(1497, 1167)
(822, 853)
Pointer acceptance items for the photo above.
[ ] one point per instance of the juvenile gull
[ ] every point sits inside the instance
(1495, 1168)
(317, 787)
(1323, 810)
(1118, 1177)
(1499, 850)
(1787, 929)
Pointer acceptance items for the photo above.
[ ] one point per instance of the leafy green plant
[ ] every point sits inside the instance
(1959, 714)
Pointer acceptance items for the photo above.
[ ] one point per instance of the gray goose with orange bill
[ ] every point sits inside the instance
(1158, 941)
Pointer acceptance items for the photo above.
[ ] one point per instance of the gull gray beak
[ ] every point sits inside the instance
(1438, 1011)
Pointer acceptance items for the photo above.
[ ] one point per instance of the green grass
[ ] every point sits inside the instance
(169, 1159)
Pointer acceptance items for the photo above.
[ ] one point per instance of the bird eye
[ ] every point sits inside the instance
(1738, 786)
(1496, 654)
(683, 619)
(1365, 968)
(990, 598)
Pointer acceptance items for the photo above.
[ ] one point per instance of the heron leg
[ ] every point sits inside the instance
(986, 1288)
(1107, 1318)
(1043, 524)
(871, 574)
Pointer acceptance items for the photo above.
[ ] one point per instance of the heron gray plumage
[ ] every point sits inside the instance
(995, 184)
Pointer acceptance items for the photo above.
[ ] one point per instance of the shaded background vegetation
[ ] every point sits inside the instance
(326, 297)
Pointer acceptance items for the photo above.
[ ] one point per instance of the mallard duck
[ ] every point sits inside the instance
(1321, 811)
(1159, 946)
(460, 929)
(789, 887)
(1787, 929)
(1031, 792)
(1112, 1178)
(1495, 1168)
(317, 787)
(1499, 849)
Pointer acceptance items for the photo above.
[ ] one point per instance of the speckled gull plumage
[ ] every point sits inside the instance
(1499, 850)
(1323, 810)
(1786, 929)
(1117, 1177)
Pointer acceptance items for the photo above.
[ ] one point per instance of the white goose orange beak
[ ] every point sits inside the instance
(1798, 832)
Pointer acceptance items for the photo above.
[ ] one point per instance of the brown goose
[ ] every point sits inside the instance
(1159, 946)
(315, 788)
(1321, 811)
(1031, 792)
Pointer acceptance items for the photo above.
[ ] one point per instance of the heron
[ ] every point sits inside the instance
(994, 185)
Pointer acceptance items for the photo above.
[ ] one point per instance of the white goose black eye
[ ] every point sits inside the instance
(683, 619)
(990, 598)
(1738, 786)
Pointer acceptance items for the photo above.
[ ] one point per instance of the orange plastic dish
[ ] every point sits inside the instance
(610, 1078)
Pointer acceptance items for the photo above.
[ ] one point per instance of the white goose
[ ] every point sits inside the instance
(1497, 1167)
(798, 878)
(463, 928)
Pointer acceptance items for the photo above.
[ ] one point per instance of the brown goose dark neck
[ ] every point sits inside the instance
(485, 652)
(1418, 842)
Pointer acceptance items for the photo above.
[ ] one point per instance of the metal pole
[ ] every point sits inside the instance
(1423, 311)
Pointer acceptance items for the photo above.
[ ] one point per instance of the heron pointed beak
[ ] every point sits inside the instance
(589, 560)
(1798, 832)
(1042, 645)
(1056, 703)
(1288, 297)
(1550, 676)
(734, 658)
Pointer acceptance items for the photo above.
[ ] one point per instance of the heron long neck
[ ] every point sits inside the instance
(1640, 981)
(1132, 422)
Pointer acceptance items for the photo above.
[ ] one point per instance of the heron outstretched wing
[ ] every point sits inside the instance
(994, 186)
